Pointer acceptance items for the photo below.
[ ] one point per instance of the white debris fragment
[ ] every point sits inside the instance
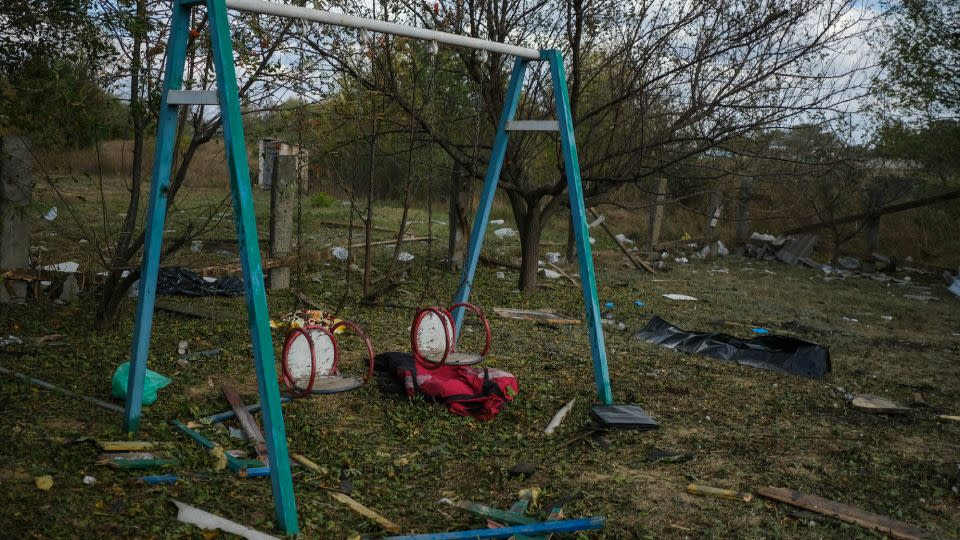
(51, 214)
(550, 274)
(405, 256)
(722, 250)
(592, 240)
(849, 319)
(681, 260)
(209, 279)
(600, 219)
(496, 222)
(196, 246)
(68, 266)
(505, 232)
(208, 521)
(501, 275)
(340, 253)
(89, 480)
(553, 257)
(763, 237)
(887, 317)
(674, 296)
(622, 238)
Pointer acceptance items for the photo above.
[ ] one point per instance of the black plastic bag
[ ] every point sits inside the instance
(777, 353)
(176, 281)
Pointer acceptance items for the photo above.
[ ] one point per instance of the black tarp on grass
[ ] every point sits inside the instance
(777, 353)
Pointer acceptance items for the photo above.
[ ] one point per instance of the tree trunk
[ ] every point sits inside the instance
(743, 214)
(459, 224)
(656, 213)
(530, 229)
(571, 251)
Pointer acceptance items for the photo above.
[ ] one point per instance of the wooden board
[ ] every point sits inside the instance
(383, 522)
(534, 315)
(843, 512)
(249, 425)
(877, 405)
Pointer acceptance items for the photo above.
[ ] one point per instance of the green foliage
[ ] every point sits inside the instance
(50, 83)
(924, 60)
(934, 147)
(322, 200)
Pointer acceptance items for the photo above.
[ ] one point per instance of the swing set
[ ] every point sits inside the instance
(436, 329)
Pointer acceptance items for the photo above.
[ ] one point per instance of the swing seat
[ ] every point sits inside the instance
(330, 384)
(454, 358)
(433, 338)
(311, 356)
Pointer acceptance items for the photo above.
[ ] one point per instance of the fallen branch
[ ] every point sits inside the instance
(640, 265)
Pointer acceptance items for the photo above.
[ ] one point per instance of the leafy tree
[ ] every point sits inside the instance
(923, 62)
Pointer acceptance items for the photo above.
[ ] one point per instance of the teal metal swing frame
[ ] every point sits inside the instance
(227, 97)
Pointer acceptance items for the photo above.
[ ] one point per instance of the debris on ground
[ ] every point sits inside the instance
(152, 383)
(89, 480)
(628, 416)
(707, 491)
(777, 353)
(362, 510)
(177, 281)
(558, 417)
(505, 232)
(48, 386)
(541, 315)
(44, 483)
(212, 522)
(877, 405)
(668, 456)
(843, 512)
(680, 297)
(523, 470)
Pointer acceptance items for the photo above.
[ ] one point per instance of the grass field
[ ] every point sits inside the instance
(746, 427)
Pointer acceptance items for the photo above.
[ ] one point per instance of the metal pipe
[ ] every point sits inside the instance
(374, 25)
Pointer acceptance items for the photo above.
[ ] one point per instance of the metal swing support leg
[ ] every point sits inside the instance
(571, 166)
(245, 223)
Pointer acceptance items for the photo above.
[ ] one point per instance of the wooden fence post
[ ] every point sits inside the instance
(16, 189)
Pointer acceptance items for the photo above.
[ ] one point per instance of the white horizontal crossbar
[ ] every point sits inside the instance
(192, 97)
(374, 25)
(533, 125)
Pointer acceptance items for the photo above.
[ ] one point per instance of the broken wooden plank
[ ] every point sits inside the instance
(640, 265)
(201, 312)
(542, 316)
(877, 405)
(381, 521)
(48, 386)
(707, 491)
(492, 513)
(843, 512)
(558, 418)
(247, 423)
(532, 529)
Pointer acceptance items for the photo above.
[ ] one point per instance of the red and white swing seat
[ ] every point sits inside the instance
(311, 359)
(433, 338)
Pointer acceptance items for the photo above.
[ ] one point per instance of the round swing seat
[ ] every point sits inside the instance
(455, 358)
(329, 384)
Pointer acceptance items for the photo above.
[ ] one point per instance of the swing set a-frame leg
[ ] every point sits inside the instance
(246, 227)
(571, 167)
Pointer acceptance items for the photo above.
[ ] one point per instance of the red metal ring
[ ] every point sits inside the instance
(415, 342)
(287, 377)
(356, 328)
(486, 324)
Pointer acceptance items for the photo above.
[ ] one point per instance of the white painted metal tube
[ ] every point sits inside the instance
(373, 25)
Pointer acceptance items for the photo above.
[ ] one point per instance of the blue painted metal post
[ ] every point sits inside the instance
(571, 165)
(511, 101)
(156, 215)
(246, 225)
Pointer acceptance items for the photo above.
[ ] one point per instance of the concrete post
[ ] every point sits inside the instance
(16, 190)
(656, 212)
(283, 199)
(743, 213)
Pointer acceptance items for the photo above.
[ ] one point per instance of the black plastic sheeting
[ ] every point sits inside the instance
(176, 281)
(777, 353)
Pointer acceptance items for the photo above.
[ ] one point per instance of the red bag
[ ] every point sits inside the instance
(466, 391)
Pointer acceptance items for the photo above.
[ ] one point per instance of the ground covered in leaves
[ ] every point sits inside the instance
(746, 427)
